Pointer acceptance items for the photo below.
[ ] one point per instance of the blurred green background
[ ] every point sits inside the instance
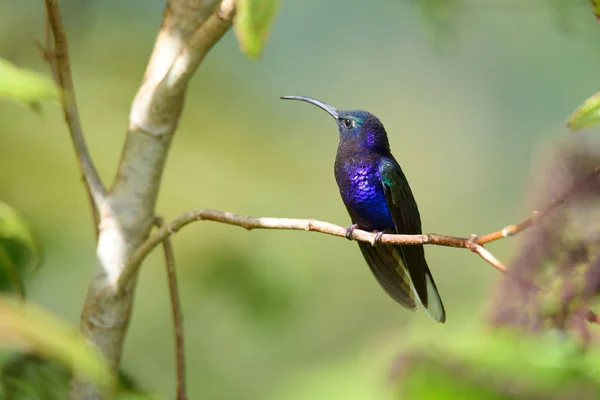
(468, 103)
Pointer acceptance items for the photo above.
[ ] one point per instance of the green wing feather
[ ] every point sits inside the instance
(405, 214)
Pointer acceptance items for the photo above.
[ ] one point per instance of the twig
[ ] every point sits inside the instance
(62, 71)
(49, 55)
(177, 314)
(47, 50)
(486, 255)
(512, 230)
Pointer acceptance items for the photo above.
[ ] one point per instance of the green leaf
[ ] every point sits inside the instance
(252, 24)
(19, 251)
(25, 86)
(27, 376)
(596, 8)
(586, 115)
(24, 323)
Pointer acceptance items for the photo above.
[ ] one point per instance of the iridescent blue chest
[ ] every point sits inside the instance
(361, 189)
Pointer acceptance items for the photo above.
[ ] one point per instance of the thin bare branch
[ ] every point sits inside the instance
(177, 314)
(47, 49)
(512, 230)
(489, 257)
(62, 71)
(49, 53)
(312, 225)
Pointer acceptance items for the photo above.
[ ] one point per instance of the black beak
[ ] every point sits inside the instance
(330, 110)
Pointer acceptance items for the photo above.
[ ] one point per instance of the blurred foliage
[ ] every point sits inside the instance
(22, 323)
(444, 16)
(29, 376)
(232, 275)
(252, 24)
(25, 86)
(441, 16)
(587, 115)
(495, 365)
(19, 250)
(555, 274)
(539, 343)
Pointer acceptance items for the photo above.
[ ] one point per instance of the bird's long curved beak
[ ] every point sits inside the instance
(330, 110)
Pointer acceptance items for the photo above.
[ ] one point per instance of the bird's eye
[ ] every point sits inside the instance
(348, 123)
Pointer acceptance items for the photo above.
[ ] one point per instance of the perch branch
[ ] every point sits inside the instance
(177, 314)
(473, 243)
(61, 69)
(312, 225)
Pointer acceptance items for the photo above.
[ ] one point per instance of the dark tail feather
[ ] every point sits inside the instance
(414, 259)
(387, 265)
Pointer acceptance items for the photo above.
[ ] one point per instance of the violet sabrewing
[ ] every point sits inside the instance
(379, 199)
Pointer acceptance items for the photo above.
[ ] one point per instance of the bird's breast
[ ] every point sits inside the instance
(362, 192)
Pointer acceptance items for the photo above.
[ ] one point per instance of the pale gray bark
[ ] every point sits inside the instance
(189, 30)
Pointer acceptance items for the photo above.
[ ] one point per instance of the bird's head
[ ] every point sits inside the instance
(354, 125)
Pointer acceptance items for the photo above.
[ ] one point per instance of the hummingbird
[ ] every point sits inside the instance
(378, 199)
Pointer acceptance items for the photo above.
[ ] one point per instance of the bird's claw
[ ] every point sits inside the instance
(377, 240)
(349, 231)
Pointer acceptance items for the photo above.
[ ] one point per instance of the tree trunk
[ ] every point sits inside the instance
(188, 31)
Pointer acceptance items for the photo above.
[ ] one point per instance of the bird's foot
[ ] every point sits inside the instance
(349, 231)
(377, 240)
